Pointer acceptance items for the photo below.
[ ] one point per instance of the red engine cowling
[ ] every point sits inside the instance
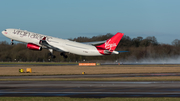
(33, 46)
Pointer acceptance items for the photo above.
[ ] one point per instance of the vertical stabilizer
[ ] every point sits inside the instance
(111, 44)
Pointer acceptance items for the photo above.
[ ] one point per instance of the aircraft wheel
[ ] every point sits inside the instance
(62, 54)
(49, 54)
(65, 56)
(53, 56)
(12, 43)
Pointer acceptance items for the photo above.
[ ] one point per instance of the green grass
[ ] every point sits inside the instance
(85, 99)
(38, 63)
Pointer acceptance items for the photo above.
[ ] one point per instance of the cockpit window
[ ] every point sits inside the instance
(4, 30)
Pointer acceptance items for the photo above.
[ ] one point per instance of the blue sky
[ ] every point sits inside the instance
(74, 18)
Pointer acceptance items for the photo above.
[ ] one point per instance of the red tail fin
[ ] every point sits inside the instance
(111, 43)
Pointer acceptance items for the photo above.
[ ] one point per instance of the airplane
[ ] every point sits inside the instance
(38, 42)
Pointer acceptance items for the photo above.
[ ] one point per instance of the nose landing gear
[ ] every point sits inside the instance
(12, 42)
(53, 56)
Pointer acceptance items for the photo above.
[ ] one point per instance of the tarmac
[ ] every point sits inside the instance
(90, 76)
(89, 89)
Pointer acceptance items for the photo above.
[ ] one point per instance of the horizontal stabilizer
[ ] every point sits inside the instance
(122, 51)
(94, 43)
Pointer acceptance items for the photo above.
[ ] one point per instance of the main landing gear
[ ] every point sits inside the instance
(64, 55)
(51, 54)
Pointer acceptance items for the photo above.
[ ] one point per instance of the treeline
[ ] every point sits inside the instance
(139, 48)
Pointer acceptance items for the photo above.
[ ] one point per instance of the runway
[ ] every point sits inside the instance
(50, 85)
(91, 76)
(95, 89)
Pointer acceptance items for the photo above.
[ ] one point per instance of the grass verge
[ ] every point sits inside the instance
(73, 70)
(21, 63)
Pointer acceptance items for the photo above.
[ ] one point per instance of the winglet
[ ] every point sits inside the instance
(41, 41)
(44, 38)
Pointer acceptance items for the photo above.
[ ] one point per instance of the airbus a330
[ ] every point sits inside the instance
(38, 42)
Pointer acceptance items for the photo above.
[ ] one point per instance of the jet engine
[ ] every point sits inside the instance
(33, 46)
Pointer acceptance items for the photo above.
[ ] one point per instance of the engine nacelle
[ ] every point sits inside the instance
(33, 46)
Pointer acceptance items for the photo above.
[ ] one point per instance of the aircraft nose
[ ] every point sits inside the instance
(4, 32)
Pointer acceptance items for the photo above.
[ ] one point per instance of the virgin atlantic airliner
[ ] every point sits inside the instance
(38, 41)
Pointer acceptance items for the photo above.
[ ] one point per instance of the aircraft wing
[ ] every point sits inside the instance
(94, 43)
(44, 43)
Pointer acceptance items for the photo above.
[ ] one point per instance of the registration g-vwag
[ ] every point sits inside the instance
(38, 42)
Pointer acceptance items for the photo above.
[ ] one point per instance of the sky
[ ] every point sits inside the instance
(74, 18)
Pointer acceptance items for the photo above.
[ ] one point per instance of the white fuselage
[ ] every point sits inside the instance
(62, 44)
